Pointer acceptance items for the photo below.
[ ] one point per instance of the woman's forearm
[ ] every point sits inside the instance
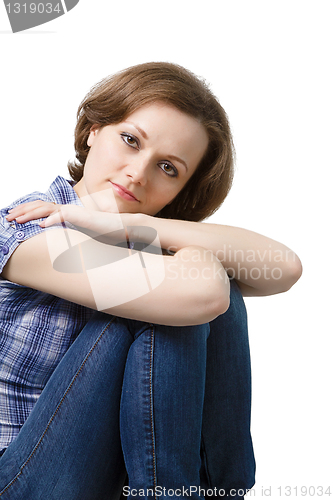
(261, 265)
(186, 289)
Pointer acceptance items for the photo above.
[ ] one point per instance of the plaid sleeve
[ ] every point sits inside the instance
(12, 233)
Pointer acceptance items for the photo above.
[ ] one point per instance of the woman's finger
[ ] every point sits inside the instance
(55, 218)
(51, 220)
(98, 222)
(69, 213)
(29, 205)
(38, 213)
(31, 210)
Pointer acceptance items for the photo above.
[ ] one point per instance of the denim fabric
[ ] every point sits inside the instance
(161, 408)
(69, 447)
(227, 452)
(176, 393)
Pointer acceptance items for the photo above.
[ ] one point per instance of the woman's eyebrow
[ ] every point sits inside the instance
(172, 157)
(139, 129)
(145, 136)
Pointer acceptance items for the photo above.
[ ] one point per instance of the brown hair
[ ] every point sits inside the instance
(113, 99)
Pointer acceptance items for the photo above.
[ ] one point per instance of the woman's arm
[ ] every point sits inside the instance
(261, 265)
(188, 288)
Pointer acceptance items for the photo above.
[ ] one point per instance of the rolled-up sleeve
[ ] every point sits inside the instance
(12, 233)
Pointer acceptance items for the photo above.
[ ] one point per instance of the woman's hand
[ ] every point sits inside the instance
(32, 210)
(93, 220)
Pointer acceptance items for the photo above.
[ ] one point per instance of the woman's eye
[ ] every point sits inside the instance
(169, 169)
(130, 140)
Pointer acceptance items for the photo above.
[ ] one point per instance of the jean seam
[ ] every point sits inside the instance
(57, 409)
(151, 395)
(205, 461)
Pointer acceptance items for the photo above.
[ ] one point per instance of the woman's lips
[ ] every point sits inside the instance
(123, 192)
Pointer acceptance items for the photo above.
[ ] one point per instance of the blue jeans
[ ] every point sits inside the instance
(178, 428)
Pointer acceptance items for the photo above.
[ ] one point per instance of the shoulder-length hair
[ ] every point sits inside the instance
(114, 98)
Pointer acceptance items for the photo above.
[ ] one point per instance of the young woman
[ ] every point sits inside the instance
(162, 375)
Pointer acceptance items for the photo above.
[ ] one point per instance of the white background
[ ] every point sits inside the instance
(270, 65)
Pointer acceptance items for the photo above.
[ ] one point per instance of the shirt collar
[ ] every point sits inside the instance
(61, 192)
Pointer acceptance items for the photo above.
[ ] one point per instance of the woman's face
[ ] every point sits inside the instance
(143, 162)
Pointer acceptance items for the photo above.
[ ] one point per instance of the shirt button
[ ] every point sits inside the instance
(5, 249)
(19, 235)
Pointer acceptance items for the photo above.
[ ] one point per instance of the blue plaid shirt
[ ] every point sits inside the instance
(36, 328)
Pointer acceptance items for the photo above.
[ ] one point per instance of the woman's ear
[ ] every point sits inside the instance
(92, 134)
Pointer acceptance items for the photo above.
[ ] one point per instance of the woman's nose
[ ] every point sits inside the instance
(138, 172)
